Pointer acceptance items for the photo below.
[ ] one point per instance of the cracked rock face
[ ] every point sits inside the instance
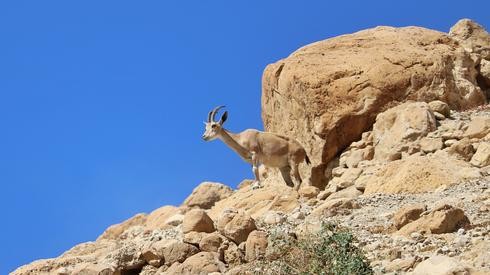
(327, 93)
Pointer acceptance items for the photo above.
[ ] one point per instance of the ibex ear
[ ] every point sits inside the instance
(223, 118)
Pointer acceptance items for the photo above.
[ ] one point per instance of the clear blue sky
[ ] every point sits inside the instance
(102, 102)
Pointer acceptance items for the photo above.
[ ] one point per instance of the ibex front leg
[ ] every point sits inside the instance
(255, 168)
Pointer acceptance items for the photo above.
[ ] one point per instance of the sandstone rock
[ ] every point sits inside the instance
(440, 265)
(347, 80)
(211, 242)
(206, 194)
(429, 145)
(400, 125)
(408, 214)
(481, 157)
(444, 220)
(478, 127)
(239, 227)
(176, 251)
(162, 216)
(114, 231)
(440, 107)
(308, 192)
(197, 220)
(200, 263)
(256, 245)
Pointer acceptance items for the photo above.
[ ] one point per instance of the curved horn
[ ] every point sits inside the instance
(212, 114)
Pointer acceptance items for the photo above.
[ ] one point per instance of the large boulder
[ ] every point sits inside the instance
(443, 219)
(327, 93)
(398, 127)
(417, 174)
(206, 194)
(440, 265)
(197, 220)
(239, 227)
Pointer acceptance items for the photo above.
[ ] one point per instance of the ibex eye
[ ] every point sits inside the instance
(213, 126)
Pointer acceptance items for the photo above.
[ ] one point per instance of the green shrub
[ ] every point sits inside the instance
(330, 251)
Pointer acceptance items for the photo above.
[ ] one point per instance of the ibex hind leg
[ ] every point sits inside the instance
(286, 175)
(297, 176)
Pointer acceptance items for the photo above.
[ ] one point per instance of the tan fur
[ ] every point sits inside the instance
(257, 147)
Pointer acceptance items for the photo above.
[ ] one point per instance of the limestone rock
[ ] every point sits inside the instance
(462, 149)
(162, 216)
(327, 93)
(154, 253)
(233, 255)
(485, 71)
(194, 237)
(408, 214)
(430, 145)
(440, 265)
(175, 220)
(400, 125)
(114, 231)
(308, 192)
(225, 217)
(332, 206)
(444, 220)
(274, 217)
(239, 227)
(176, 251)
(479, 127)
(211, 242)
(473, 37)
(348, 177)
(417, 174)
(481, 157)
(89, 269)
(348, 193)
(206, 194)
(256, 245)
(440, 107)
(200, 263)
(197, 220)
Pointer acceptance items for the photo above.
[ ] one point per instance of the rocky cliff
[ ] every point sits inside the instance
(398, 128)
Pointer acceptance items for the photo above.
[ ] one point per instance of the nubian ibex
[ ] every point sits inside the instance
(256, 147)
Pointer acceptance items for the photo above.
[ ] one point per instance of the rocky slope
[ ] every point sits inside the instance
(397, 125)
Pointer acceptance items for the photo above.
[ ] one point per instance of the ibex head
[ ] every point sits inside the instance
(213, 128)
